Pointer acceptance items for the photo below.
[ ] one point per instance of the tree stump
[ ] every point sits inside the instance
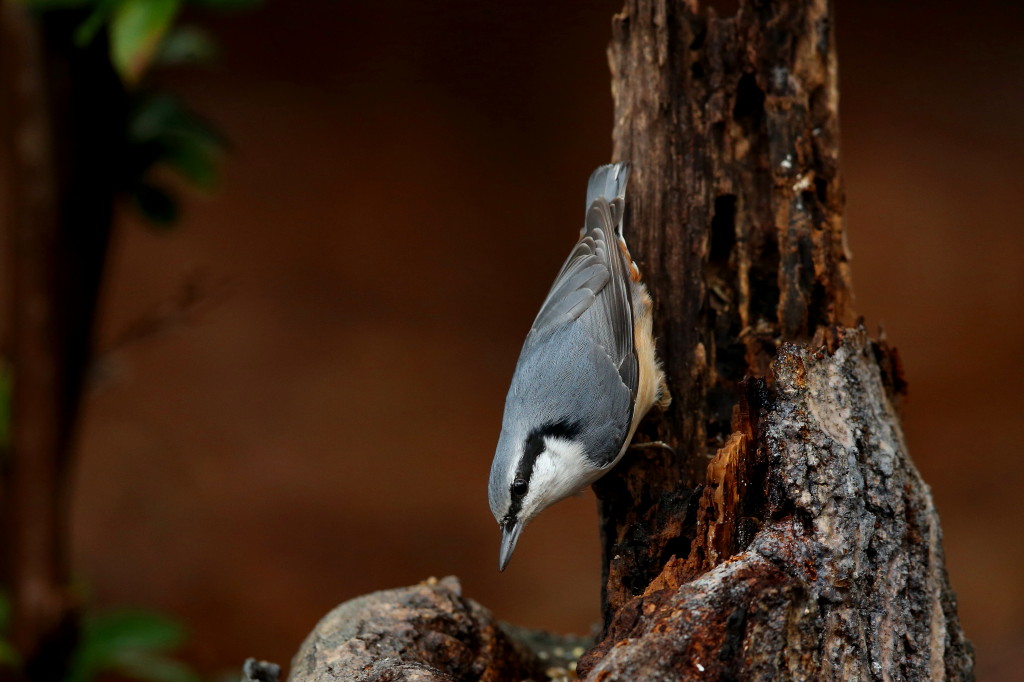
(779, 529)
(787, 532)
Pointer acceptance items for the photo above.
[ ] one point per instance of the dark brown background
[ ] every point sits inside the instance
(407, 178)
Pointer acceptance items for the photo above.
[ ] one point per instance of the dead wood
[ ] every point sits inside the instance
(788, 534)
(425, 633)
(735, 218)
(843, 578)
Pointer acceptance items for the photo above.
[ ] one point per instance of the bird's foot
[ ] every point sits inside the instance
(652, 444)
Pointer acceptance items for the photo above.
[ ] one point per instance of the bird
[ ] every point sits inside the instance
(587, 374)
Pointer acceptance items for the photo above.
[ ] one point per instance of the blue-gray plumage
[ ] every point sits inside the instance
(586, 375)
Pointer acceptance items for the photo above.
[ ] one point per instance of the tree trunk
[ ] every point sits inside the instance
(63, 121)
(784, 532)
(809, 547)
(735, 220)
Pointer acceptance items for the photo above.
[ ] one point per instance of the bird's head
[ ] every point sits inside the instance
(532, 469)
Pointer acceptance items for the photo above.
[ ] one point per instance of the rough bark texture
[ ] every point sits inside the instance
(425, 633)
(831, 546)
(785, 534)
(735, 220)
(843, 579)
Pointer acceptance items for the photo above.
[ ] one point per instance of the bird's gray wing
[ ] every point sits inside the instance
(583, 276)
(595, 278)
(563, 375)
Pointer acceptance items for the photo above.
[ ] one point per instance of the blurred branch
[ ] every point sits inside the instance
(194, 296)
(35, 565)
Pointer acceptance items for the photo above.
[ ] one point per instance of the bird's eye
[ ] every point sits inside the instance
(518, 487)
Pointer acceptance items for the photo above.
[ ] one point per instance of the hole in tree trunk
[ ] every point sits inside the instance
(748, 110)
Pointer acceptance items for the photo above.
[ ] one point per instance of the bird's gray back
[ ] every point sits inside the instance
(565, 375)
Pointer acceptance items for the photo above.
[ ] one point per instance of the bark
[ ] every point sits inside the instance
(844, 577)
(423, 633)
(735, 221)
(784, 533)
(63, 117)
(809, 547)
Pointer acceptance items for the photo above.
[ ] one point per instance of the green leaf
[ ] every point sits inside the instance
(131, 643)
(136, 30)
(9, 657)
(156, 204)
(153, 668)
(161, 115)
(194, 159)
(87, 30)
(186, 45)
(154, 116)
(162, 130)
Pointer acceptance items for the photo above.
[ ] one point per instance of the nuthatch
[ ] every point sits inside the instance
(586, 376)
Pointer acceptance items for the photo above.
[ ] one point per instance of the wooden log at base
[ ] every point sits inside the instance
(424, 633)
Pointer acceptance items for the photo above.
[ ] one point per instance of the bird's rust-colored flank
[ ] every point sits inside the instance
(634, 271)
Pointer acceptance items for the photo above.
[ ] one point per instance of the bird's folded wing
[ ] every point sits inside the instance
(596, 273)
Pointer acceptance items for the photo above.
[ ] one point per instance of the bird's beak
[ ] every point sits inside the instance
(509, 536)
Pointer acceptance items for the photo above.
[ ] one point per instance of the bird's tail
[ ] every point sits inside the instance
(609, 183)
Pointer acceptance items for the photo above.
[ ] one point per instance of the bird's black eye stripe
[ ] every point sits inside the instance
(518, 488)
(532, 448)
